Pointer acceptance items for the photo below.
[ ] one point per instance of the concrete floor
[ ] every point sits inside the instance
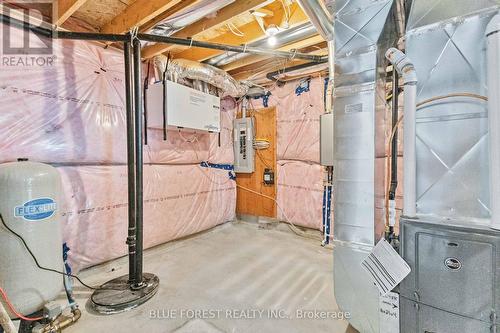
(234, 270)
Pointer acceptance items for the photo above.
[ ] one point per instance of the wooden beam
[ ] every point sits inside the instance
(225, 14)
(255, 58)
(137, 14)
(166, 14)
(245, 72)
(64, 9)
(251, 32)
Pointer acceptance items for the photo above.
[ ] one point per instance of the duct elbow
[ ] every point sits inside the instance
(403, 65)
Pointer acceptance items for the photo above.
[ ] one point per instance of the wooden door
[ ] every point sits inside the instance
(250, 203)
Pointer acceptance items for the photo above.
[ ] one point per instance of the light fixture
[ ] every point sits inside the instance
(271, 31)
(272, 40)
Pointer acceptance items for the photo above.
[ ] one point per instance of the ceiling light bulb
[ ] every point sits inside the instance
(271, 40)
(272, 30)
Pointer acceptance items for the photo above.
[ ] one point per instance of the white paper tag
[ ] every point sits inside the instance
(385, 267)
(389, 313)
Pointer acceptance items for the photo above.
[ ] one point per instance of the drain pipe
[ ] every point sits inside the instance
(323, 22)
(405, 68)
(493, 63)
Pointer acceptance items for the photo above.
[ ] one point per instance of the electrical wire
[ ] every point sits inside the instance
(234, 29)
(13, 309)
(36, 261)
(437, 98)
(292, 226)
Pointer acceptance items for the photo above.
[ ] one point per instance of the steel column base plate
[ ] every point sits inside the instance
(117, 295)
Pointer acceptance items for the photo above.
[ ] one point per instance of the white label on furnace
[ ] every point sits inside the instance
(389, 313)
(353, 108)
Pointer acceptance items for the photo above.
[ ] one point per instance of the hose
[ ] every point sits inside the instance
(13, 309)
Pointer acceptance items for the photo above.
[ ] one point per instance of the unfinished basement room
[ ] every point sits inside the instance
(250, 166)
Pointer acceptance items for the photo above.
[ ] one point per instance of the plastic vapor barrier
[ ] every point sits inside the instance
(70, 113)
(300, 177)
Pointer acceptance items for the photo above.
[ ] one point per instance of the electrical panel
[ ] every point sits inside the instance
(326, 139)
(244, 154)
(185, 108)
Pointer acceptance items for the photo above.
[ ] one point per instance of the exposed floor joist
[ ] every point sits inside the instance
(168, 13)
(256, 58)
(251, 32)
(64, 9)
(137, 14)
(224, 15)
(269, 65)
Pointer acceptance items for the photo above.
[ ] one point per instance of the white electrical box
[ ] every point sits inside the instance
(185, 108)
(244, 154)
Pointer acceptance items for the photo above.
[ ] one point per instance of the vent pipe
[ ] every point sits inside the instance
(405, 68)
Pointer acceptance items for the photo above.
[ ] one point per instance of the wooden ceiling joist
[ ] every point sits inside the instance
(168, 13)
(137, 14)
(270, 65)
(251, 32)
(223, 16)
(64, 9)
(256, 58)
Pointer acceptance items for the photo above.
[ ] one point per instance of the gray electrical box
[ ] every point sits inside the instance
(326, 139)
(244, 154)
(454, 284)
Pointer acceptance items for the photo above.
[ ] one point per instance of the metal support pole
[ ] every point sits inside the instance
(129, 100)
(138, 162)
(128, 291)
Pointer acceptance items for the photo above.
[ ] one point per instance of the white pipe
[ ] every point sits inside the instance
(331, 77)
(5, 321)
(493, 73)
(405, 68)
(244, 107)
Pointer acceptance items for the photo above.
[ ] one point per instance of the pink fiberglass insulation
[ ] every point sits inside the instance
(299, 175)
(179, 200)
(300, 193)
(297, 120)
(221, 145)
(70, 111)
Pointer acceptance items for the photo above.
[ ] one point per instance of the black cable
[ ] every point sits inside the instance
(36, 261)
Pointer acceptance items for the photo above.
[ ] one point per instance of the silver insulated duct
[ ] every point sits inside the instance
(183, 68)
(288, 36)
(187, 16)
(364, 31)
